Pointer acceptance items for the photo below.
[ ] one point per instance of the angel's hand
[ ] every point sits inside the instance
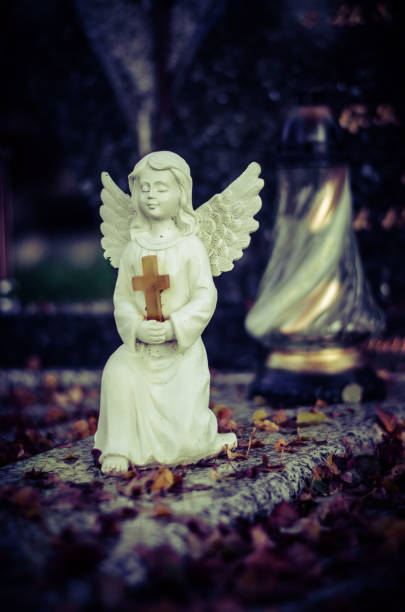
(151, 332)
(169, 330)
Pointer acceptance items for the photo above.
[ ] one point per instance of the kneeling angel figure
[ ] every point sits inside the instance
(154, 404)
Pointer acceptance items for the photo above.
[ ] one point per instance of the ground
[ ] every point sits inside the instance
(338, 543)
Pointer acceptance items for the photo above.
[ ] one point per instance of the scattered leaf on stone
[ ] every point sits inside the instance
(312, 418)
(70, 458)
(162, 511)
(80, 429)
(163, 480)
(261, 421)
(232, 456)
(224, 417)
(280, 445)
(280, 417)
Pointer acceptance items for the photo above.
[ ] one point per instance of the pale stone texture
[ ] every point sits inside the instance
(201, 497)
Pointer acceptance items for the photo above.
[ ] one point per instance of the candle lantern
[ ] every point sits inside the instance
(314, 309)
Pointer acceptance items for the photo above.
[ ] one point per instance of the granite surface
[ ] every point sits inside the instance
(214, 492)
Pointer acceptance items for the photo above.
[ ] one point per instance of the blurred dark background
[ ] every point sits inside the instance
(91, 85)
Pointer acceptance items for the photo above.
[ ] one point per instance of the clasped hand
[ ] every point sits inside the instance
(155, 332)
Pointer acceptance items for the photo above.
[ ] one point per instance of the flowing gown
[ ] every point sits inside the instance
(154, 398)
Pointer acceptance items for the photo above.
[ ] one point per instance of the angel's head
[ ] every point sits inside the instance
(164, 176)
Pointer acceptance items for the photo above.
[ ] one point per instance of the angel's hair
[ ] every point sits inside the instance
(166, 160)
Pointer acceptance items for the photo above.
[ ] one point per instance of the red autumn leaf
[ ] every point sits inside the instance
(80, 429)
(224, 417)
(388, 420)
(56, 414)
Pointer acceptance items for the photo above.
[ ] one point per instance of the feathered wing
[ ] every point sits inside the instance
(116, 213)
(226, 221)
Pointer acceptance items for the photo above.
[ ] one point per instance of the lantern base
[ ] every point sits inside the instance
(292, 387)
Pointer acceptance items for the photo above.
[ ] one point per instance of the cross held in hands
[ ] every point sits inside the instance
(152, 284)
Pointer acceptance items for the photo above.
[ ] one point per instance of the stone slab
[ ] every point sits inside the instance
(216, 492)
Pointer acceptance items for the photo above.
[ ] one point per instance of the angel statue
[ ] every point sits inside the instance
(154, 403)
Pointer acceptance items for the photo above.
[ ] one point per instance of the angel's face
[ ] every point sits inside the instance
(158, 194)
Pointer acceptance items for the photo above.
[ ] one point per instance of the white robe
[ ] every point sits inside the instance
(154, 398)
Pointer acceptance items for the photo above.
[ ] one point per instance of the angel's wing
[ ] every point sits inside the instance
(226, 221)
(116, 214)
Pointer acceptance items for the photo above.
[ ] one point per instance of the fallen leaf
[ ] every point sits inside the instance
(261, 421)
(332, 466)
(232, 456)
(312, 418)
(163, 480)
(80, 429)
(260, 414)
(162, 511)
(388, 420)
(280, 445)
(266, 425)
(280, 417)
(224, 418)
(70, 458)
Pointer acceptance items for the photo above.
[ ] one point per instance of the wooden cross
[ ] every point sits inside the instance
(152, 284)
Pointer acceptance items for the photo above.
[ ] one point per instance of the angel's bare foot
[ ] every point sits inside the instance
(114, 464)
(228, 440)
